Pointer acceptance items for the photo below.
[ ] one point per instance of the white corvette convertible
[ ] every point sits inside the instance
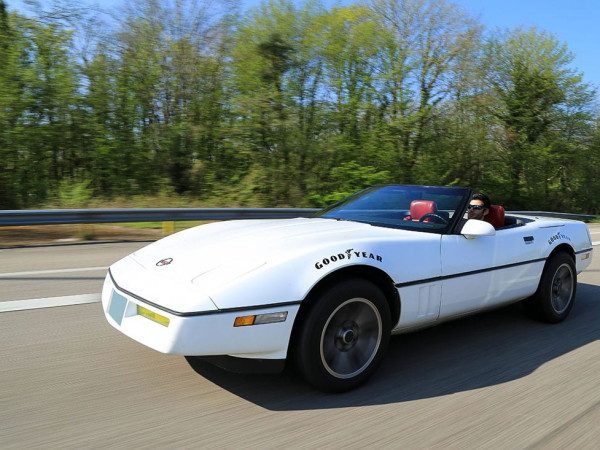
(326, 293)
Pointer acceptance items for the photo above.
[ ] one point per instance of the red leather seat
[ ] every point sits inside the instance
(418, 208)
(496, 216)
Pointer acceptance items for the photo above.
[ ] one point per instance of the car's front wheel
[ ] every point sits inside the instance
(344, 336)
(554, 298)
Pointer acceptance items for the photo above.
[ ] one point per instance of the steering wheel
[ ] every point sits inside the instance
(435, 218)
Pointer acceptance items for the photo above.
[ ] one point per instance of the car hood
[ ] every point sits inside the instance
(240, 244)
(191, 268)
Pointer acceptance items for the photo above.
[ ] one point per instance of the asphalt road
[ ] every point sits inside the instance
(495, 380)
(50, 271)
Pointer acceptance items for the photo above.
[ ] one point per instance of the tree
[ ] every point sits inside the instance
(37, 92)
(535, 94)
(9, 94)
(424, 55)
(277, 75)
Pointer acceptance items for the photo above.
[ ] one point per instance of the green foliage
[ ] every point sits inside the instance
(535, 97)
(73, 194)
(292, 105)
(347, 179)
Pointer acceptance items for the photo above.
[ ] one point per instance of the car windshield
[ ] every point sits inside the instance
(419, 208)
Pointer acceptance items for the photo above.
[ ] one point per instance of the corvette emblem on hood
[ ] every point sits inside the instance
(164, 262)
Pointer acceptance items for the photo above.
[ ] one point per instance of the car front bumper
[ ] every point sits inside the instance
(198, 334)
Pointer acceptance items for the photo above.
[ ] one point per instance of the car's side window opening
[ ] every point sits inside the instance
(513, 222)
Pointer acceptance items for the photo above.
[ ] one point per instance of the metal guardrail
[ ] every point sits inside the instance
(558, 215)
(76, 216)
(91, 216)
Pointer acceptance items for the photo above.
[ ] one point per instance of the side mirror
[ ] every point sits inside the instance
(474, 228)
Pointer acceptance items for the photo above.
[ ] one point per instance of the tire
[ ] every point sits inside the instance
(344, 336)
(555, 295)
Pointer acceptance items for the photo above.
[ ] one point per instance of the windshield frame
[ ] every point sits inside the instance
(464, 192)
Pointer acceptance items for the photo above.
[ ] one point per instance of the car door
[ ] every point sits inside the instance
(413, 261)
(487, 270)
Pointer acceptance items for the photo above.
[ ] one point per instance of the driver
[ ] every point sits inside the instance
(478, 207)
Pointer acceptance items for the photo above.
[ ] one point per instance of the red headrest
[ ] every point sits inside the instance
(496, 216)
(418, 208)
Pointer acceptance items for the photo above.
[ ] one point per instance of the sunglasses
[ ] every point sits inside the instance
(476, 207)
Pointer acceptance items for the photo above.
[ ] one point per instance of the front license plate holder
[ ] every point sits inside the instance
(117, 306)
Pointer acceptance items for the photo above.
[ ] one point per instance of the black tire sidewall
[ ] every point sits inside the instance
(543, 296)
(309, 343)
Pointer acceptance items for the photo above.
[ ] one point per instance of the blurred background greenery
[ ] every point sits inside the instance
(191, 103)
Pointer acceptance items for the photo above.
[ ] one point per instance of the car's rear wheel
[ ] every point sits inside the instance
(554, 298)
(344, 336)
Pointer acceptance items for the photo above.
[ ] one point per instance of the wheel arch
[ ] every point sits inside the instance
(566, 248)
(377, 276)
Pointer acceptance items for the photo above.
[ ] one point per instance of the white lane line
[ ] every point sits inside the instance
(43, 272)
(48, 302)
(596, 243)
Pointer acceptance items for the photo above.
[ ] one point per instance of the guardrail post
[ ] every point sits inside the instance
(168, 227)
